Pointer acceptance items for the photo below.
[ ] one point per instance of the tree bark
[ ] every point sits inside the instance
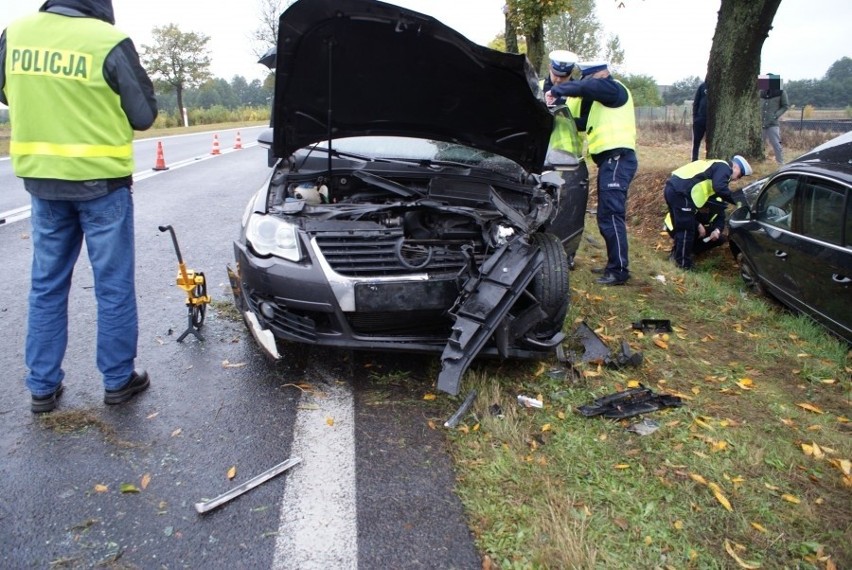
(733, 110)
(511, 35)
(535, 46)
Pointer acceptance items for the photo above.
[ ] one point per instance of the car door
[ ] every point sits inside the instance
(824, 271)
(775, 248)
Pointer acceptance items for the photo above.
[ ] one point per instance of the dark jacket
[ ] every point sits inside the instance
(699, 104)
(123, 73)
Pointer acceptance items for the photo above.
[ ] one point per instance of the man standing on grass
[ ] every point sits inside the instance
(76, 91)
(607, 117)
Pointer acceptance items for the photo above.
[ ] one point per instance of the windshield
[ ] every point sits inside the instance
(424, 150)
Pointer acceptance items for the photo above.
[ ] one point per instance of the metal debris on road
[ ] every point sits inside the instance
(208, 506)
(456, 417)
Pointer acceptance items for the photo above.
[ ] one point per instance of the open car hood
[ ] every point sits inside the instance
(361, 67)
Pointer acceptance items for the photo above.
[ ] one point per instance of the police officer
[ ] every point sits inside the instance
(690, 188)
(561, 66)
(76, 91)
(709, 225)
(605, 113)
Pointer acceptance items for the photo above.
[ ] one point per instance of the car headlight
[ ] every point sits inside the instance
(269, 235)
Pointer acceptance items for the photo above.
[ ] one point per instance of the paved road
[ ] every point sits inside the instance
(384, 500)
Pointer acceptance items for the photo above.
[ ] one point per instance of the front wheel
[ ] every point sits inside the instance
(550, 285)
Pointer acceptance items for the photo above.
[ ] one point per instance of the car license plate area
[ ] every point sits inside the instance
(405, 296)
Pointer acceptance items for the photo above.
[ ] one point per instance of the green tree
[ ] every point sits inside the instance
(528, 17)
(177, 59)
(644, 90)
(681, 90)
(576, 29)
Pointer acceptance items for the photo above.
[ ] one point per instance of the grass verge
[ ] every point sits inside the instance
(753, 471)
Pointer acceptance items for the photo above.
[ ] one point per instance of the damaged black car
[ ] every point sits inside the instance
(419, 200)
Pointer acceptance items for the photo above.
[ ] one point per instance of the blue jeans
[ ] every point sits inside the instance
(614, 177)
(58, 229)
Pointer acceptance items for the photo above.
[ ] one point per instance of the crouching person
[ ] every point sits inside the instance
(690, 188)
(709, 225)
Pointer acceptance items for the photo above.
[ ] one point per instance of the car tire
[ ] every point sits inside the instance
(550, 285)
(749, 276)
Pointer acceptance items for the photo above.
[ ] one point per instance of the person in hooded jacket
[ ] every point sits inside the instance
(689, 189)
(76, 91)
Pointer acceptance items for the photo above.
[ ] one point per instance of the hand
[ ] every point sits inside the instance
(714, 235)
(701, 231)
(549, 98)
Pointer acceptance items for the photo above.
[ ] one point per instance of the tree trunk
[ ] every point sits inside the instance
(179, 93)
(733, 110)
(511, 35)
(535, 46)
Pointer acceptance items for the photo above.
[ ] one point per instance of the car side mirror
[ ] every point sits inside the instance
(559, 160)
(265, 140)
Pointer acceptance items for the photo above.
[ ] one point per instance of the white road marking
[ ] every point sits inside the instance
(23, 212)
(318, 528)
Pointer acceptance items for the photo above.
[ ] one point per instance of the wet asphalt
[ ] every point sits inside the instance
(212, 405)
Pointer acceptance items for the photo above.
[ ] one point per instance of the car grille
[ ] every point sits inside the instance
(385, 253)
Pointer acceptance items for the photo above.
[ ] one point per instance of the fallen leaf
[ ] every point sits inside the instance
(771, 487)
(699, 421)
(818, 453)
(844, 465)
(678, 524)
(717, 492)
(329, 420)
(740, 562)
(152, 416)
(620, 523)
(788, 422)
(541, 368)
(745, 384)
(719, 445)
(227, 364)
(810, 408)
(545, 427)
(101, 488)
(622, 466)
(791, 498)
(698, 478)
(758, 527)
(146, 478)
(176, 432)
(633, 384)
(696, 390)
(429, 397)
(431, 424)
(129, 488)
(661, 343)
(232, 472)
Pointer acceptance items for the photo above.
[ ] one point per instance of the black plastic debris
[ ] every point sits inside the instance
(629, 403)
(596, 351)
(653, 325)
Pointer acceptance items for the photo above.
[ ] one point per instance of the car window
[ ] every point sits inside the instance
(823, 210)
(775, 205)
(848, 233)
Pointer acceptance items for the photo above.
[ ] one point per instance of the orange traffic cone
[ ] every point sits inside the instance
(160, 162)
(239, 143)
(215, 145)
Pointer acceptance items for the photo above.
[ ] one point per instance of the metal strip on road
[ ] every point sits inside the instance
(319, 525)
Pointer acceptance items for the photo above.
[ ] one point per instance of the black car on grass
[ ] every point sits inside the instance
(414, 203)
(793, 237)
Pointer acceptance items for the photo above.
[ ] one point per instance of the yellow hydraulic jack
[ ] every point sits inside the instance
(195, 285)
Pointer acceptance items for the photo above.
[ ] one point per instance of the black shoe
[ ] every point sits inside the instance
(46, 403)
(138, 382)
(610, 279)
(598, 270)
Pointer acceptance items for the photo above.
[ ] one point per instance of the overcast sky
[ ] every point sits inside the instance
(666, 39)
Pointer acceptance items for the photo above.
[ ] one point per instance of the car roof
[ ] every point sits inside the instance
(832, 156)
(361, 67)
